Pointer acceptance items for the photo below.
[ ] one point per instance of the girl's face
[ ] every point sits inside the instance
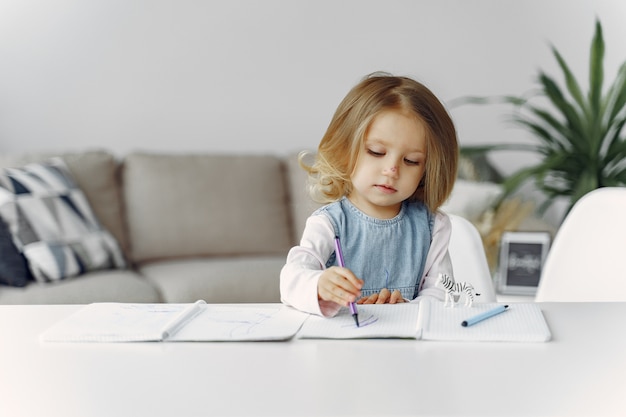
(390, 165)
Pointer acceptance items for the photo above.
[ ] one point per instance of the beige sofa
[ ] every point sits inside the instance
(195, 226)
(192, 226)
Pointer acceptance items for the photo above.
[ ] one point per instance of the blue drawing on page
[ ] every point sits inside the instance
(364, 321)
(237, 323)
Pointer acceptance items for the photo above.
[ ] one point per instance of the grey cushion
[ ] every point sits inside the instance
(301, 203)
(205, 205)
(223, 280)
(115, 285)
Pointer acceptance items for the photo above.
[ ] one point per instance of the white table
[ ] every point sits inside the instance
(582, 372)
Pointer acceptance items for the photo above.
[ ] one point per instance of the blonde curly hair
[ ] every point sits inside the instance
(338, 151)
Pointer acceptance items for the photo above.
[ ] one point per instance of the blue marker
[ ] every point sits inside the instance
(485, 315)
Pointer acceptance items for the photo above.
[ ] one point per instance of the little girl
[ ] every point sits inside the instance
(387, 162)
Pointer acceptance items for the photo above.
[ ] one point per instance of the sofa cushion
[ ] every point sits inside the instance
(252, 279)
(114, 285)
(96, 173)
(52, 223)
(205, 205)
(301, 203)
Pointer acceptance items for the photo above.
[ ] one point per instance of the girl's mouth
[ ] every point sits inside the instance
(387, 189)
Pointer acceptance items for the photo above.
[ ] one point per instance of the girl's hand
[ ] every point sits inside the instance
(384, 296)
(339, 285)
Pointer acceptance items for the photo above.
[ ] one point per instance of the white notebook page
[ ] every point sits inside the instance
(521, 322)
(376, 321)
(241, 323)
(120, 322)
(115, 322)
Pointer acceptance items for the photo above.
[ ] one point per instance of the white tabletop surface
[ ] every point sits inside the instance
(581, 372)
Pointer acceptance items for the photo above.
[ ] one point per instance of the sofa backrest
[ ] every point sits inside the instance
(301, 205)
(186, 205)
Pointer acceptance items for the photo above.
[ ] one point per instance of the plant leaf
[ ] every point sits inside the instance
(616, 95)
(480, 149)
(572, 85)
(596, 69)
(554, 94)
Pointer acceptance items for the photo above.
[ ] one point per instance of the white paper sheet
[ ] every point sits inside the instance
(521, 322)
(245, 323)
(376, 321)
(128, 322)
(114, 322)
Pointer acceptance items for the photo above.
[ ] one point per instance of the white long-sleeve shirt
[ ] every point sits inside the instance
(305, 263)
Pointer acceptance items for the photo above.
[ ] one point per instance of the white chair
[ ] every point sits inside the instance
(469, 261)
(587, 260)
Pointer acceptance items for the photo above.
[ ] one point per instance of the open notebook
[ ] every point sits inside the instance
(201, 322)
(431, 320)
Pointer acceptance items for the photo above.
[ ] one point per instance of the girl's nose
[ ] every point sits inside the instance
(391, 171)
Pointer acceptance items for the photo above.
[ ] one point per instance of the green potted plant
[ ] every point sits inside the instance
(579, 136)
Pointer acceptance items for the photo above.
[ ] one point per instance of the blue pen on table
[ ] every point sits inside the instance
(483, 316)
(339, 254)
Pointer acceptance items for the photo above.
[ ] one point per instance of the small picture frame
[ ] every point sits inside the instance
(522, 255)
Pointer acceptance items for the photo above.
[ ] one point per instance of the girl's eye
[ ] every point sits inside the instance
(374, 153)
(410, 162)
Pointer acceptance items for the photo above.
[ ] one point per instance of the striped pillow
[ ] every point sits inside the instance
(13, 266)
(52, 223)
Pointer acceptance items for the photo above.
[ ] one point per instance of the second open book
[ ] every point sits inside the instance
(201, 322)
(432, 320)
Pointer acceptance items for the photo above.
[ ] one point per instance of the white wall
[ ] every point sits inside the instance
(266, 76)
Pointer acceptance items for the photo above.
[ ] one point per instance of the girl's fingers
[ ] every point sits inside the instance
(338, 285)
(371, 299)
(396, 297)
(345, 279)
(383, 296)
(348, 277)
(336, 295)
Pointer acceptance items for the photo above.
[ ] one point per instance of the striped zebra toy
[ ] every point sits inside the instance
(455, 289)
